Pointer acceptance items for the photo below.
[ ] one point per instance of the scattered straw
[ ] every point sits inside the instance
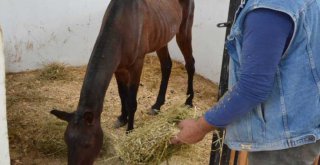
(36, 137)
(52, 144)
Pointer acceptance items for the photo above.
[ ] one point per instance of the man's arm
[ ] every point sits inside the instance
(266, 36)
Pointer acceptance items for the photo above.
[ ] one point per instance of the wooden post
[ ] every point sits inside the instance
(4, 149)
(317, 161)
(243, 158)
(232, 157)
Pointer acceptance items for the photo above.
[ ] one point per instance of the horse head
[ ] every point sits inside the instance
(83, 136)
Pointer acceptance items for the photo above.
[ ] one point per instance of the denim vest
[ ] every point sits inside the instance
(291, 115)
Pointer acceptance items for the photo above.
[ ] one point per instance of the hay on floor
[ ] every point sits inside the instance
(36, 137)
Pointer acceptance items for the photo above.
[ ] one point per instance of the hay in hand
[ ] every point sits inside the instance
(54, 71)
(149, 144)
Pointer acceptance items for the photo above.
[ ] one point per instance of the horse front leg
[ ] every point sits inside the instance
(122, 78)
(135, 74)
(166, 65)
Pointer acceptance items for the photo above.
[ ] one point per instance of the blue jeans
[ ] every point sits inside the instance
(303, 155)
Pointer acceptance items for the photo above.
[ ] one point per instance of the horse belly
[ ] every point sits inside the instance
(162, 23)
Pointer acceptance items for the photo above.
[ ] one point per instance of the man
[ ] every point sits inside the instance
(272, 108)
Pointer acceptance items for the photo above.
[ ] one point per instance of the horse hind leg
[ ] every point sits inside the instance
(166, 65)
(184, 39)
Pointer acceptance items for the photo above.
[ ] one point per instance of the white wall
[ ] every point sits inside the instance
(37, 32)
(4, 149)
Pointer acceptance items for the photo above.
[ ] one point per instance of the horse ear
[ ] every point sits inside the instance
(88, 117)
(62, 115)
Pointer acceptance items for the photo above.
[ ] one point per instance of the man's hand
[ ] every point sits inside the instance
(192, 131)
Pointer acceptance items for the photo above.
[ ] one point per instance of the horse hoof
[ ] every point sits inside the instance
(188, 106)
(128, 131)
(119, 124)
(153, 112)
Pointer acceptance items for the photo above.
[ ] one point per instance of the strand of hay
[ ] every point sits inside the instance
(149, 144)
(219, 142)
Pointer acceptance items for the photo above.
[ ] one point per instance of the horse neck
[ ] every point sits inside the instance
(102, 64)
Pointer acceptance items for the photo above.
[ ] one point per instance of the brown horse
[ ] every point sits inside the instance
(130, 29)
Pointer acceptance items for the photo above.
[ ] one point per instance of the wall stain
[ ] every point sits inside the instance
(29, 45)
(16, 58)
(53, 37)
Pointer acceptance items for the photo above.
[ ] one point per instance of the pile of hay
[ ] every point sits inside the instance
(149, 144)
(54, 71)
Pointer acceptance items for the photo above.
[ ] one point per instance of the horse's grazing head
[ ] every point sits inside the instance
(83, 136)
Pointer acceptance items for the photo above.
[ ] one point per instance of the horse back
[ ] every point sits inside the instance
(143, 26)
